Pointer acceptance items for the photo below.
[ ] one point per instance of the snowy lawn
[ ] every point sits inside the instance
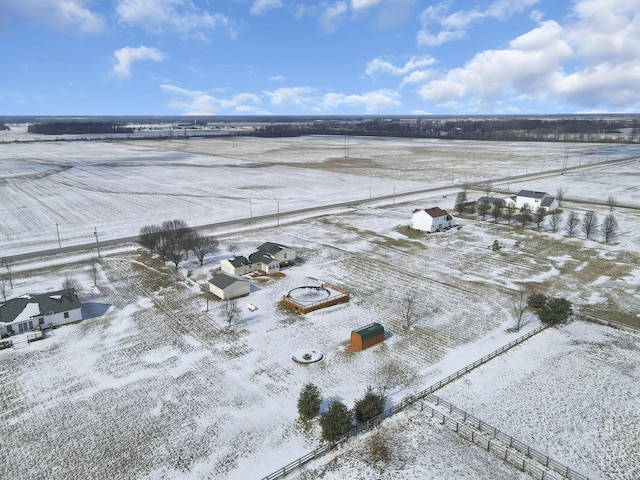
(153, 385)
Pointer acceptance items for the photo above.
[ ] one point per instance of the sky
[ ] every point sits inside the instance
(344, 57)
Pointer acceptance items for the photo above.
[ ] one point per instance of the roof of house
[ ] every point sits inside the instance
(434, 212)
(223, 280)
(262, 257)
(271, 248)
(531, 194)
(547, 201)
(239, 261)
(369, 331)
(33, 305)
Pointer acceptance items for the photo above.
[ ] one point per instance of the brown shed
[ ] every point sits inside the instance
(366, 336)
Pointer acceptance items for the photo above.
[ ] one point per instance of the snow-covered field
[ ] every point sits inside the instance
(153, 385)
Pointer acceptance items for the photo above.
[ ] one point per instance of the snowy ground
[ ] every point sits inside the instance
(154, 385)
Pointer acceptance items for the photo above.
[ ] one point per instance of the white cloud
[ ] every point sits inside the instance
(295, 96)
(378, 65)
(332, 16)
(590, 62)
(363, 4)
(198, 102)
(452, 26)
(372, 102)
(66, 15)
(181, 16)
(260, 7)
(277, 78)
(531, 64)
(127, 55)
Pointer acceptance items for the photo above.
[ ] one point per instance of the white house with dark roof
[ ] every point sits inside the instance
(236, 266)
(268, 258)
(226, 286)
(535, 200)
(29, 312)
(432, 220)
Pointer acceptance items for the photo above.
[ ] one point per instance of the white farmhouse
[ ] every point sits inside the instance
(535, 200)
(432, 220)
(226, 286)
(29, 312)
(268, 258)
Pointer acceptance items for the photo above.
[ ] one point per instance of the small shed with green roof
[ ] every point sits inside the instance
(366, 336)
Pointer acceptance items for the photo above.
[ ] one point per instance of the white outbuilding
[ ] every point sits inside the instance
(226, 286)
(432, 220)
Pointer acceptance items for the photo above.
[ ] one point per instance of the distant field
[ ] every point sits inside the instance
(159, 387)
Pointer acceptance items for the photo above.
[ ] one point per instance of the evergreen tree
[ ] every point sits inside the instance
(369, 406)
(335, 422)
(309, 401)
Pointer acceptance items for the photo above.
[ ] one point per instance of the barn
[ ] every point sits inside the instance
(366, 336)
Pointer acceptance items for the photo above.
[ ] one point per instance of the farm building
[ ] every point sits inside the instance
(226, 286)
(28, 312)
(432, 220)
(366, 336)
(535, 200)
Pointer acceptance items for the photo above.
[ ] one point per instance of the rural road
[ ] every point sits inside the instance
(324, 208)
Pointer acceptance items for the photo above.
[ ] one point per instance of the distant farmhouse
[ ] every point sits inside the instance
(269, 258)
(29, 312)
(535, 200)
(492, 202)
(432, 220)
(227, 286)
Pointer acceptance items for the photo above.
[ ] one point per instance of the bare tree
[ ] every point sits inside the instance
(386, 376)
(483, 209)
(175, 256)
(573, 220)
(589, 223)
(461, 200)
(149, 236)
(611, 202)
(488, 188)
(609, 227)
(519, 305)
(539, 216)
(511, 210)
(231, 312)
(8, 269)
(496, 210)
(203, 246)
(560, 195)
(232, 247)
(408, 305)
(3, 287)
(554, 221)
(71, 283)
(525, 215)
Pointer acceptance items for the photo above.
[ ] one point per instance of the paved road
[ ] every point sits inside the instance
(325, 208)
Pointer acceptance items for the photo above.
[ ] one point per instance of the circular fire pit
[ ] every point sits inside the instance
(307, 355)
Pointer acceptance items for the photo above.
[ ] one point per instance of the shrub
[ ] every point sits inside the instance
(555, 310)
(309, 401)
(536, 301)
(369, 406)
(335, 422)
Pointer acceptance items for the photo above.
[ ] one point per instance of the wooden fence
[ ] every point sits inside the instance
(506, 445)
(406, 402)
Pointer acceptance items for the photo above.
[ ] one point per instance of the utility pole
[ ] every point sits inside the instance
(278, 213)
(250, 209)
(95, 232)
(58, 232)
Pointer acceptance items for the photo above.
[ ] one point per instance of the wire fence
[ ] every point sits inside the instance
(470, 423)
(406, 402)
